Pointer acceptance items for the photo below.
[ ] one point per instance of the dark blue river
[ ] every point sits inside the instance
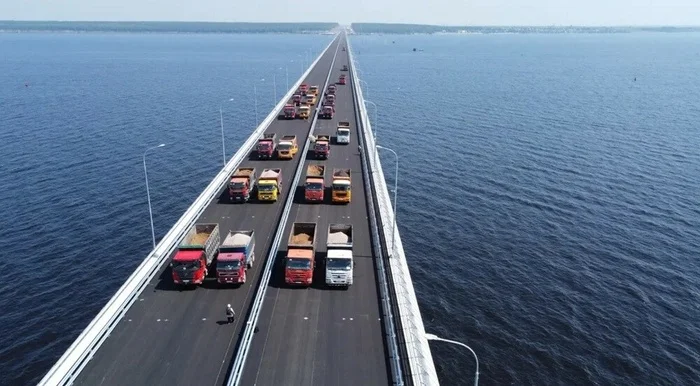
(549, 195)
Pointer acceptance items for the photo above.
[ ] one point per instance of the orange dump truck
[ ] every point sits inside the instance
(341, 186)
(301, 250)
(315, 184)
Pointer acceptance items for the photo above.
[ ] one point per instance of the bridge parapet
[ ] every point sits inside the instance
(409, 326)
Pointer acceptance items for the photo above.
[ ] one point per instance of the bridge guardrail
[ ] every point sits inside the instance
(410, 323)
(255, 308)
(86, 344)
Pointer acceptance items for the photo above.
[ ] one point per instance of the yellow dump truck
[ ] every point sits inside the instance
(313, 90)
(341, 192)
(287, 147)
(304, 112)
(270, 185)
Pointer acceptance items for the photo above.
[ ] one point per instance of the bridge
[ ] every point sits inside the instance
(152, 332)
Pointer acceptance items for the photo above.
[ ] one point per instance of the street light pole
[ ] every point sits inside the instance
(148, 192)
(223, 141)
(376, 122)
(435, 337)
(255, 92)
(396, 188)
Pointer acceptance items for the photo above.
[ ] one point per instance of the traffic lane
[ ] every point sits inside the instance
(136, 349)
(315, 335)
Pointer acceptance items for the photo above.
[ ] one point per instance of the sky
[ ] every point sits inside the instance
(440, 12)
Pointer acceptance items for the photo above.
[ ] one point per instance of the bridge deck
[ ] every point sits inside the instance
(322, 336)
(178, 337)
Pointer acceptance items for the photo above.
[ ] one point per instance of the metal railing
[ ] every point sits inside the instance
(419, 367)
(88, 342)
(255, 308)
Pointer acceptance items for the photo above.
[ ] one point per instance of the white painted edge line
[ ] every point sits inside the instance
(86, 344)
(420, 357)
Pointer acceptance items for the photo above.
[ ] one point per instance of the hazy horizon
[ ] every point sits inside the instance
(593, 13)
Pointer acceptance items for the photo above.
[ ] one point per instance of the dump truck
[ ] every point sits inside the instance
(310, 100)
(322, 147)
(331, 90)
(296, 99)
(315, 184)
(313, 90)
(290, 112)
(241, 185)
(301, 248)
(304, 112)
(345, 67)
(287, 147)
(342, 133)
(341, 191)
(327, 112)
(270, 184)
(236, 256)
(341, 80)
(266, 146)
(303, 88)
(330, 100)
(194, 255)
(339, 262)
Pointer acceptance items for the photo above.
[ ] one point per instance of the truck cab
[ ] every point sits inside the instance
(290, 112)
(296, 99)
(341, 191)
(341, 80)
(304, 112)
(303, 88)
(331, 89)
(339, 267)
(330, 100)
(315, 184)
(327, 112)
(342, 134)
(287, 147)
(310, 100)
(313, 90)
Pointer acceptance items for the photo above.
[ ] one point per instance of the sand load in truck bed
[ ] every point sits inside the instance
(341, 173)
(302, 238)
(314, 170)
(269, 174)
(199, 238)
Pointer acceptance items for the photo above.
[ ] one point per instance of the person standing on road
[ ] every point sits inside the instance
(230, 314)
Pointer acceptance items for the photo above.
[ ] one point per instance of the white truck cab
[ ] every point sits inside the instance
(339, 267)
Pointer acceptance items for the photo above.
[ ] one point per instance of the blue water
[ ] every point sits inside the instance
(548, 203)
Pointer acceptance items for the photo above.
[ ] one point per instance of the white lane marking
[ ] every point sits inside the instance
(158, 320)
(306, 318)
(204, 318)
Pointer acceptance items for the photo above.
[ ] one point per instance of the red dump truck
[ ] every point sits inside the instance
(290, 112)
(341, 80)
(301, 248)
(315, 184)
(303, 89)
(331, 89)
(322, 146)
(236, 256)
(296, 99)
(330, 100)
(241, 185)
(195, 254)
(327, 111)
(267, 146)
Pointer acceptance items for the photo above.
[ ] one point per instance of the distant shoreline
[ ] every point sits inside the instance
(165, 27)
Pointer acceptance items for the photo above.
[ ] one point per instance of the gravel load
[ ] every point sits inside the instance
(199, 238)
(338, 238)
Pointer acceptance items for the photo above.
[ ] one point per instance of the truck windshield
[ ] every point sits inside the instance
(237, 185)
(341, 264)
(284, 147)
(341, 188)
(229, 265)
(185, 265)
(314, 186)
(343, 132)
(321, 146)
(298, 264)
(264, 145)
(266, 188)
